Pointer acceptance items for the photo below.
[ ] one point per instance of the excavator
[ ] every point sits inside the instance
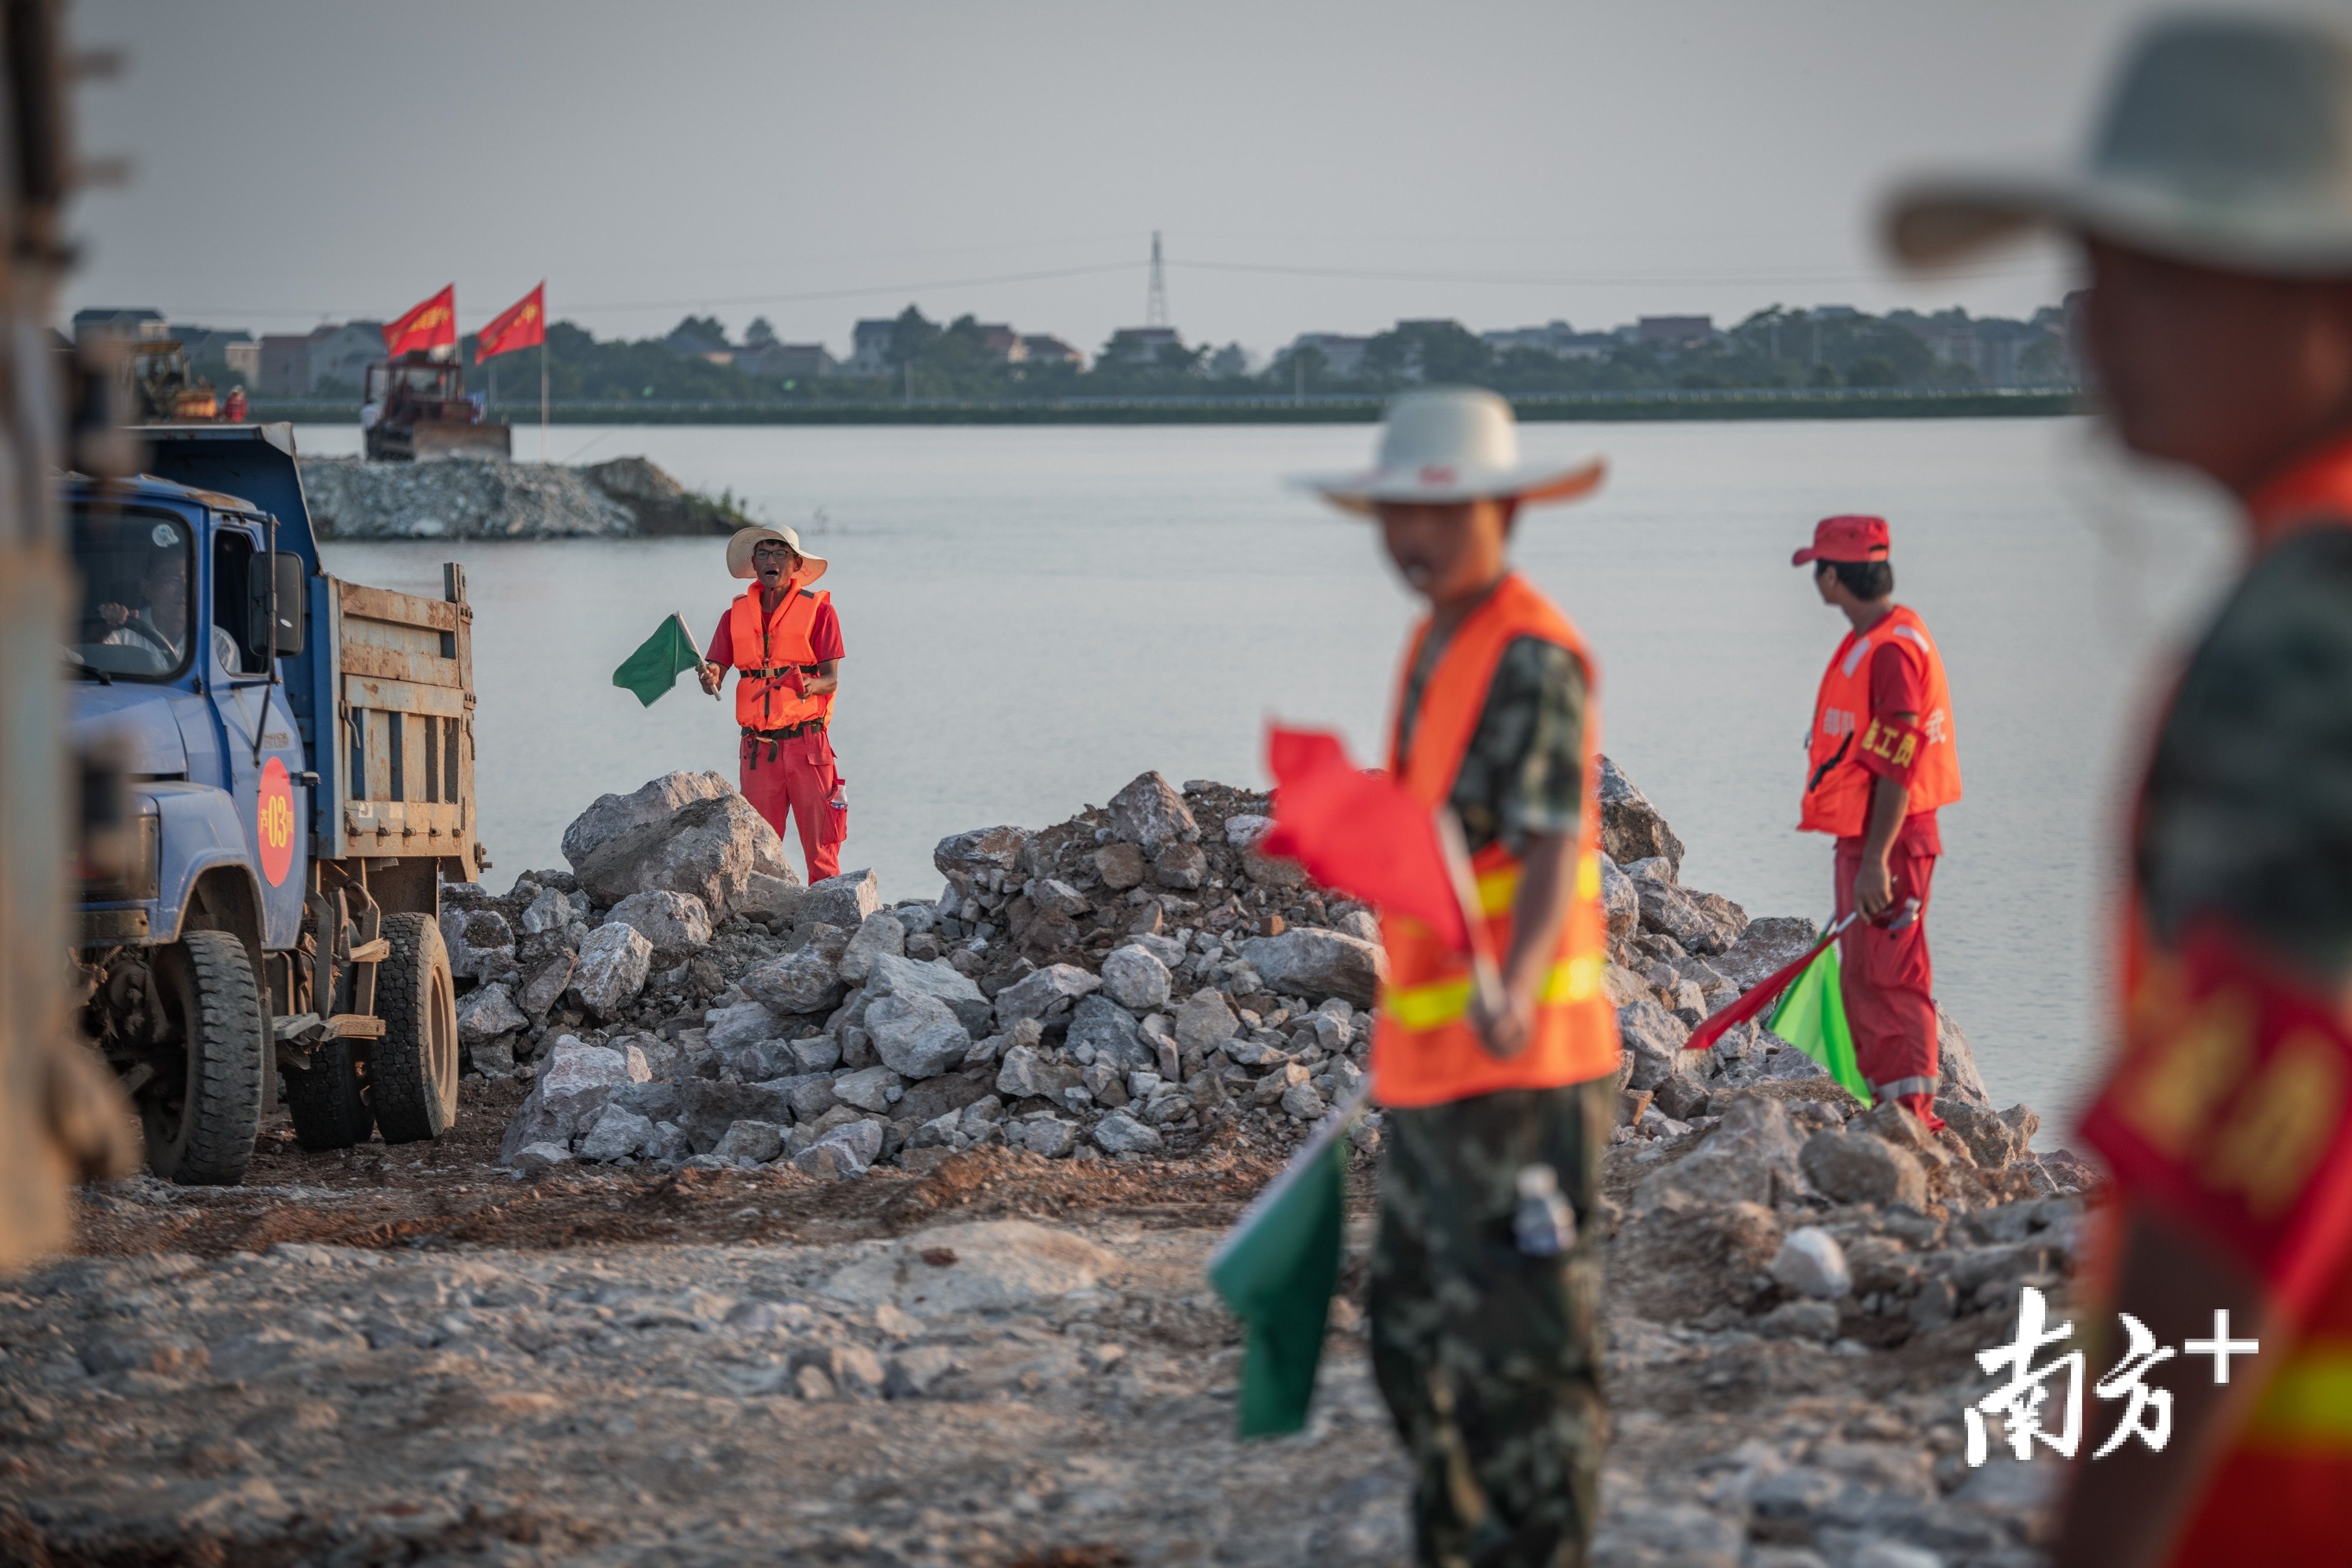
(421, 411)
(163, 390)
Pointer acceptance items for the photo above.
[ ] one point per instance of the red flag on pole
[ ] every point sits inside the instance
(430, 325)
(1358, 832)
(521, 325)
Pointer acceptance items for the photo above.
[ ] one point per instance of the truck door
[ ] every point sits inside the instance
(264, 765)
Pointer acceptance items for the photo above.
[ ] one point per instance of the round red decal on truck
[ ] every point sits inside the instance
(275, 818)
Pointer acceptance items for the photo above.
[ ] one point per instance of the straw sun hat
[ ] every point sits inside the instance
(2227, 143)
(1446, 444)
(741, 542)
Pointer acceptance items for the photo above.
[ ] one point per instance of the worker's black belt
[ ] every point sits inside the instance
(751, 738)
(778, 673)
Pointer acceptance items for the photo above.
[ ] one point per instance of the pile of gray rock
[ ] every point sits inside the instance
(492, 498)
(1117, 986)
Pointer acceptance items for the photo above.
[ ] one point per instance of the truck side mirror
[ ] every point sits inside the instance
(286, 635)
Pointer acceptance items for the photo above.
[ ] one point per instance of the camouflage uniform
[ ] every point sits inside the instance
(1488, 1358)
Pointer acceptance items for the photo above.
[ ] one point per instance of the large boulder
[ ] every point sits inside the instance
(745, 1023)
(1855, 1167)
(1750, 1156)
(1206, 1021)
(1110, 1032)
(1135, 979)
(892, 975)
(706, 1107)
(845, 901)
(488, 1013)
(1631, 828)
(915, 1035)
(1149, 812)
(1313, 963)
(1653, 1037)
(571, 1088)
(709, 847)
(1027, 1073)
(1956, 1064)
(1621, 902)
(804, 981)
(654, 802)
(963, 858)
(1765, 947)
(881, 935)
(614, 963)
(1700, 922)
(676, 924)
(1050, 992)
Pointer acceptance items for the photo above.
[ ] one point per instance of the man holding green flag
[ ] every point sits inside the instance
(1880, 762)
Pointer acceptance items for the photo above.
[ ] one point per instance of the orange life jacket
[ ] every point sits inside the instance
(767, 651)
(1425, 1050)
(1837, 785)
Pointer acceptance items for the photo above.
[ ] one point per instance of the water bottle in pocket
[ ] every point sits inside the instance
(836, 812)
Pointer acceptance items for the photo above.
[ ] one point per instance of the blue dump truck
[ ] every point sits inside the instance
(300, 759)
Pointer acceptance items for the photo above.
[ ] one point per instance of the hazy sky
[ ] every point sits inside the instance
(299, 161)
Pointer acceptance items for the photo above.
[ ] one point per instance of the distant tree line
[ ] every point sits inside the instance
(1778, 347)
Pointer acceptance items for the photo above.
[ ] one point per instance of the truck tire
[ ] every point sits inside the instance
(200, 1120)
(328, 1101)
(412, 1067)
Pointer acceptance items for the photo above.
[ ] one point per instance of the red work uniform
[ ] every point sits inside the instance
(1887, 979)
(786, 755)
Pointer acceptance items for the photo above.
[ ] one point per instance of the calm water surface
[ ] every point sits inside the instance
(1034, 616)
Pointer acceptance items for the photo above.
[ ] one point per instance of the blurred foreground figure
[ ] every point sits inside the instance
(2217, 214)
(1485, 1287)
(61, 1119)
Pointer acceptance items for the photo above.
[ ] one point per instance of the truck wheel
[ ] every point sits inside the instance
(328, 1103)
(413, 1068)
(202, 1113)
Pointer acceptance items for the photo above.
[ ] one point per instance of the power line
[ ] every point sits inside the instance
(1591, 280)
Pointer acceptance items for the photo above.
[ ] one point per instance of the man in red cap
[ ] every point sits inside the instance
(1880, 761)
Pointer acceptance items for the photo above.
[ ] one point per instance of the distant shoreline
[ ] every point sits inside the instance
(1725, 403)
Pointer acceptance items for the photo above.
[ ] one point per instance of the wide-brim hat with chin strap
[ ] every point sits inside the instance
(2227, 143)
(1449, 445)
(741, 543)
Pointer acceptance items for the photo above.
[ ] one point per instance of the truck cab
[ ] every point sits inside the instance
(299, 754)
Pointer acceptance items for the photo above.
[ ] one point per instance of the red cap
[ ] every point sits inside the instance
(1850, 538)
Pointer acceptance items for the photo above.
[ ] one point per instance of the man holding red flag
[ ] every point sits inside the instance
(2216, 216)
(1880, 761)
(1483, 1337)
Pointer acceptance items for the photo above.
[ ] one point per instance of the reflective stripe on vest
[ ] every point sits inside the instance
(1425, 1051)
(1837, 785)
(765, 652)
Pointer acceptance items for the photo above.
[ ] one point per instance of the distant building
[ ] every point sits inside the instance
(237, 349)
(244, 360)
(118, 322)
(1044, 349)
(787, 362)
(284, 369)
(1003, 344)
(1141, 345)
(1557, 339)
(342, 354)
(1342, 353)
(1676, 331)
(2000, 353)
(870, 347)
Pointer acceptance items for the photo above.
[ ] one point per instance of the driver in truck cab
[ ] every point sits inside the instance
(159, 619)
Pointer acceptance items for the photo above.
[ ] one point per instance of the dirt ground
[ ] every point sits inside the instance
(406, 1355)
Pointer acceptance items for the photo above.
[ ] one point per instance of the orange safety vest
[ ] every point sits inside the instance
(2281, 1492)
(1837, 785)
(766, 652)
(1425, 1050)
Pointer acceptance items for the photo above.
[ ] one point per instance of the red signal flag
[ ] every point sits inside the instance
(432, 325)
(521, 325)
(1358, 832)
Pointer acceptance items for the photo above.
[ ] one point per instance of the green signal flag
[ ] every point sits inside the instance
(1812, 1017)
(659, 660)
(1277, 1269)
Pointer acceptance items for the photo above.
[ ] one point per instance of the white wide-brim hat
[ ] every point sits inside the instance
(739, 552)
(2227, 143)
(1447, 445)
